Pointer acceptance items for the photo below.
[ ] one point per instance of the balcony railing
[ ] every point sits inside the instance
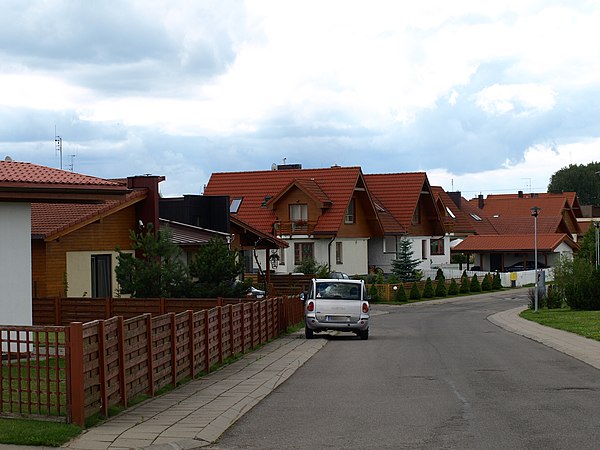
(292, 227)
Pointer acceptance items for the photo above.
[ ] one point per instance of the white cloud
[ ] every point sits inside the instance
(520, 99)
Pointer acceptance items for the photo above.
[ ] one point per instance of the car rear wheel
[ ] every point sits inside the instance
(308, 333)
(364, 335)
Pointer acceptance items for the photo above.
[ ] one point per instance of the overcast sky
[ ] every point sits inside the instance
(486, 97)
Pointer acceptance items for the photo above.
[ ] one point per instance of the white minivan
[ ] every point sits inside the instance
(336, 304)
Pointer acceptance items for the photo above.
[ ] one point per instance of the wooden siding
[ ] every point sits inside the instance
(49, 261)
(366, 224)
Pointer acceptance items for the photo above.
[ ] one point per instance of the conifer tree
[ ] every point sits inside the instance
(404, 266)
(401, 294)
(428, 289)
(475, 286)
(486, 284)
(497, 282)
(415, 294)
(465, 286)
(440, 289)
(453, 288)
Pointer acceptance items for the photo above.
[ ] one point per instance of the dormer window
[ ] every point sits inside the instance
(350, 213)
(299, 213)
(235, 205)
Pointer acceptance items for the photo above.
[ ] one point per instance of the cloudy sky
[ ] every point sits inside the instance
(483, 96)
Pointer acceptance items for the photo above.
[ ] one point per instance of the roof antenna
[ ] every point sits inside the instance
(58, 146)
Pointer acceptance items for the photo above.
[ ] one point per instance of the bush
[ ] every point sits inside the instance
(428, 289)
(541, 299)
(475, 286)
(374, 293)
(440, 289)
(414, 292)
(440, 274)
(465, 287)
(400, 294)
(486, 284)
(496, 282)
(553, 298)
(578, 282)
(453, 288)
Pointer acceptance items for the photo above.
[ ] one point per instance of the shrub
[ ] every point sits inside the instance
(578, 282)
(475, 286)
(414, 292)
(553, 298)
(393, 279)
(440, 289)
(379, 279)
(486, 284)
(439, 274)
(541, 299)
(453, 288)
(374, 293)
(401, 294)
(496, 282)
(465, 287)
(428, 289)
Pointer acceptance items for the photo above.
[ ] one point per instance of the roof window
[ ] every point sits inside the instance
(476, 217)
(450, 213)
(235, 205)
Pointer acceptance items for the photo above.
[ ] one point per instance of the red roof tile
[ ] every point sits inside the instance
(49, 219)
(14, 172)
(525, 225)
(257, 188)
(513, 243)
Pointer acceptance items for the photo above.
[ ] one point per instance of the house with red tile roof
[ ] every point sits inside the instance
(74, 245)
(510, 240)
(406, 207)
(22, 184)
(326, 214)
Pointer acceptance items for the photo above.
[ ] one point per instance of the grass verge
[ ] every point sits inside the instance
(584, 323)
(36, 432)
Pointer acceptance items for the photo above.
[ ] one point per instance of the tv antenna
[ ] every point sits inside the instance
(58, 146)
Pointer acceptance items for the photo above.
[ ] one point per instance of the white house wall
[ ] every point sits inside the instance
(382, 253)
(15, 264)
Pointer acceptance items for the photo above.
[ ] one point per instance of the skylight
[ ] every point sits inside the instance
(235, 205)
(476, 217)
(450, 213)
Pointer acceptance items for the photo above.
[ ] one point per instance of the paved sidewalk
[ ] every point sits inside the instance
(582, 348)
(196, 414)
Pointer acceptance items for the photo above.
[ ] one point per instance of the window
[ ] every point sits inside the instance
(282, 256)
(476, 217)
(303, 251)
(350, 217)
(339, 254)
(299, 212)
(101, 276)
(235, 205)
(424, 249)
(416, 218)
(436, 246)
(450, 213)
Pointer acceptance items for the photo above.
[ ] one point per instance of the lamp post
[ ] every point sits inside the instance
(534, 212)
(597, 225)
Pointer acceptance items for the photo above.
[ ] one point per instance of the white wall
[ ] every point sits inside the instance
(378, 258)
(15, 264)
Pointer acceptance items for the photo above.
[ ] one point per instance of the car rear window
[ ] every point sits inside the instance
(335, 290)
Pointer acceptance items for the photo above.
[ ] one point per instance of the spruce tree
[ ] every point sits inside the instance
(439, 274)
(453, 288)
(486, 284)
(415, 294)
(465, 286)
(475, 286)
(401, 294)
(440, 289)
(428, 289)
(497, 282)
(404, 266)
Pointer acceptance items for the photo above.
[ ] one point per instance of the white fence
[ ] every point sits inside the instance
(522, 278)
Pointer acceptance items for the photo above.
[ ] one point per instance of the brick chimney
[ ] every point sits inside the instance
(146, 211)
(480, 203)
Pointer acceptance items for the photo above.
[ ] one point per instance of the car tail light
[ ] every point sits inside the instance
(365, 308)
(310, 307)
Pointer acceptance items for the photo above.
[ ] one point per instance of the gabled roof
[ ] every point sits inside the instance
(460, 223)
(257, 188)
(513, 243)
(20, 181)
(496, 205)
(525, 225)
(50, 221)
(184, 235)
(571, 198)
(398, 194)
(309, 187)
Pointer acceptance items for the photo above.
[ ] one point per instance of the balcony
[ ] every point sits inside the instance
(293, 227)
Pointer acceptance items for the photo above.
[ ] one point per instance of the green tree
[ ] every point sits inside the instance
(428, 288)
(580, 178)
(404, 266)
(475, 286)
(414, 294)
(440, 288)
(577, 281)
(158, 272)
(497, 282)
(486, 284)
(440, 274)
(465, 286)
(309, 266)
(587, 246)
(401, 293)
(216, 268)
(453, 288)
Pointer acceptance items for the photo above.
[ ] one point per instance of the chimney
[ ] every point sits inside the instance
(455, 197)
(480, 201)
(146, 211)
(520, 193)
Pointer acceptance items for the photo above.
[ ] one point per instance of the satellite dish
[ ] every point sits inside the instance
(273, 166)
(8, 159)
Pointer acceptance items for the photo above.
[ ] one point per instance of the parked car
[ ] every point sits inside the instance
(339, 275)
(256, 293)
(336, 304)
(519, 266)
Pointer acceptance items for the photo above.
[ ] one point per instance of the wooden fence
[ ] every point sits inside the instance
(110, 362)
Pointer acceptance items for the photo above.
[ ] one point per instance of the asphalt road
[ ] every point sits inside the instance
(430, 376)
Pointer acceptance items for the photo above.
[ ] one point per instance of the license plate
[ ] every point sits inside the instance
(337, 318)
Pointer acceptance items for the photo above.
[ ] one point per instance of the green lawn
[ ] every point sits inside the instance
(36, 432)
(584, 323)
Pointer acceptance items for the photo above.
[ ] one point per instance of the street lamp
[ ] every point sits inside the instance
(534, 212)
(597, 225)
